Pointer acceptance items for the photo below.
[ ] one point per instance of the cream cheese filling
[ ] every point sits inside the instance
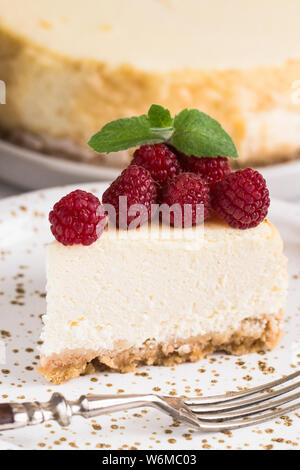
(116, 293)
(161, 35)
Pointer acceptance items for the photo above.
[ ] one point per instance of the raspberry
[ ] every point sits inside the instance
(136, 184)
(77, 218)
(242, 199)
(159, 160)
(186, 188)
(210, 169)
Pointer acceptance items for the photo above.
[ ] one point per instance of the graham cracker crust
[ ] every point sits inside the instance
(253, 335)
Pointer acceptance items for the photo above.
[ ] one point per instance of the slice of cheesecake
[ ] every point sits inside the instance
(161, 296)
(70, 67)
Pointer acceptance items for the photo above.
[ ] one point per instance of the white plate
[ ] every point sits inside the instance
(24, 230)
(32, 170)
(283, 180)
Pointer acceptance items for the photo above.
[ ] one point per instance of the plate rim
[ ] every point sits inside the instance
(85, 186)
(282, 177)
(56, 162)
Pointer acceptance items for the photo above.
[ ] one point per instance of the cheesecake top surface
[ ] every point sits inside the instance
(160, 34)
(212, 232)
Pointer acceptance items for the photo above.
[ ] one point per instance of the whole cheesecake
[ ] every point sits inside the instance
(70, 67)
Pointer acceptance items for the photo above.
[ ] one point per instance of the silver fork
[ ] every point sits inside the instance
(215, 413)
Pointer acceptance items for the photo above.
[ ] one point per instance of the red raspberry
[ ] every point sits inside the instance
(186, 188)
(136, 184)
(210, 169)
(159, 160)
(77, 218)
(242, 199)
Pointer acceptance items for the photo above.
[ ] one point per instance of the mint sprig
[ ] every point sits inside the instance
(191, 132)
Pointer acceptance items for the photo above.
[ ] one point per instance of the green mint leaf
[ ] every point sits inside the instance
(198, 134)
(191, 132)
(159, 116)
(124, 134)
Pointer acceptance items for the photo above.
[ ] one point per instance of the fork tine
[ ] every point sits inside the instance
(232, 396)
(240, 403)
(235, 424)
(251, 410)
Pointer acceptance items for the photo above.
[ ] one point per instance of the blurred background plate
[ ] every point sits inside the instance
(32, 170)
(283, 179)
(29, 169)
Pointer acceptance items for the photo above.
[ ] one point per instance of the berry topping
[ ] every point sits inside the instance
(135, 184)
(241, 199)
(186, 189)
(77, 218)
(159, 160)
(210, 169)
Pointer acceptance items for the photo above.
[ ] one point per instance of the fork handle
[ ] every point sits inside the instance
(20, 415)
(89, 406)
(6, 415)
